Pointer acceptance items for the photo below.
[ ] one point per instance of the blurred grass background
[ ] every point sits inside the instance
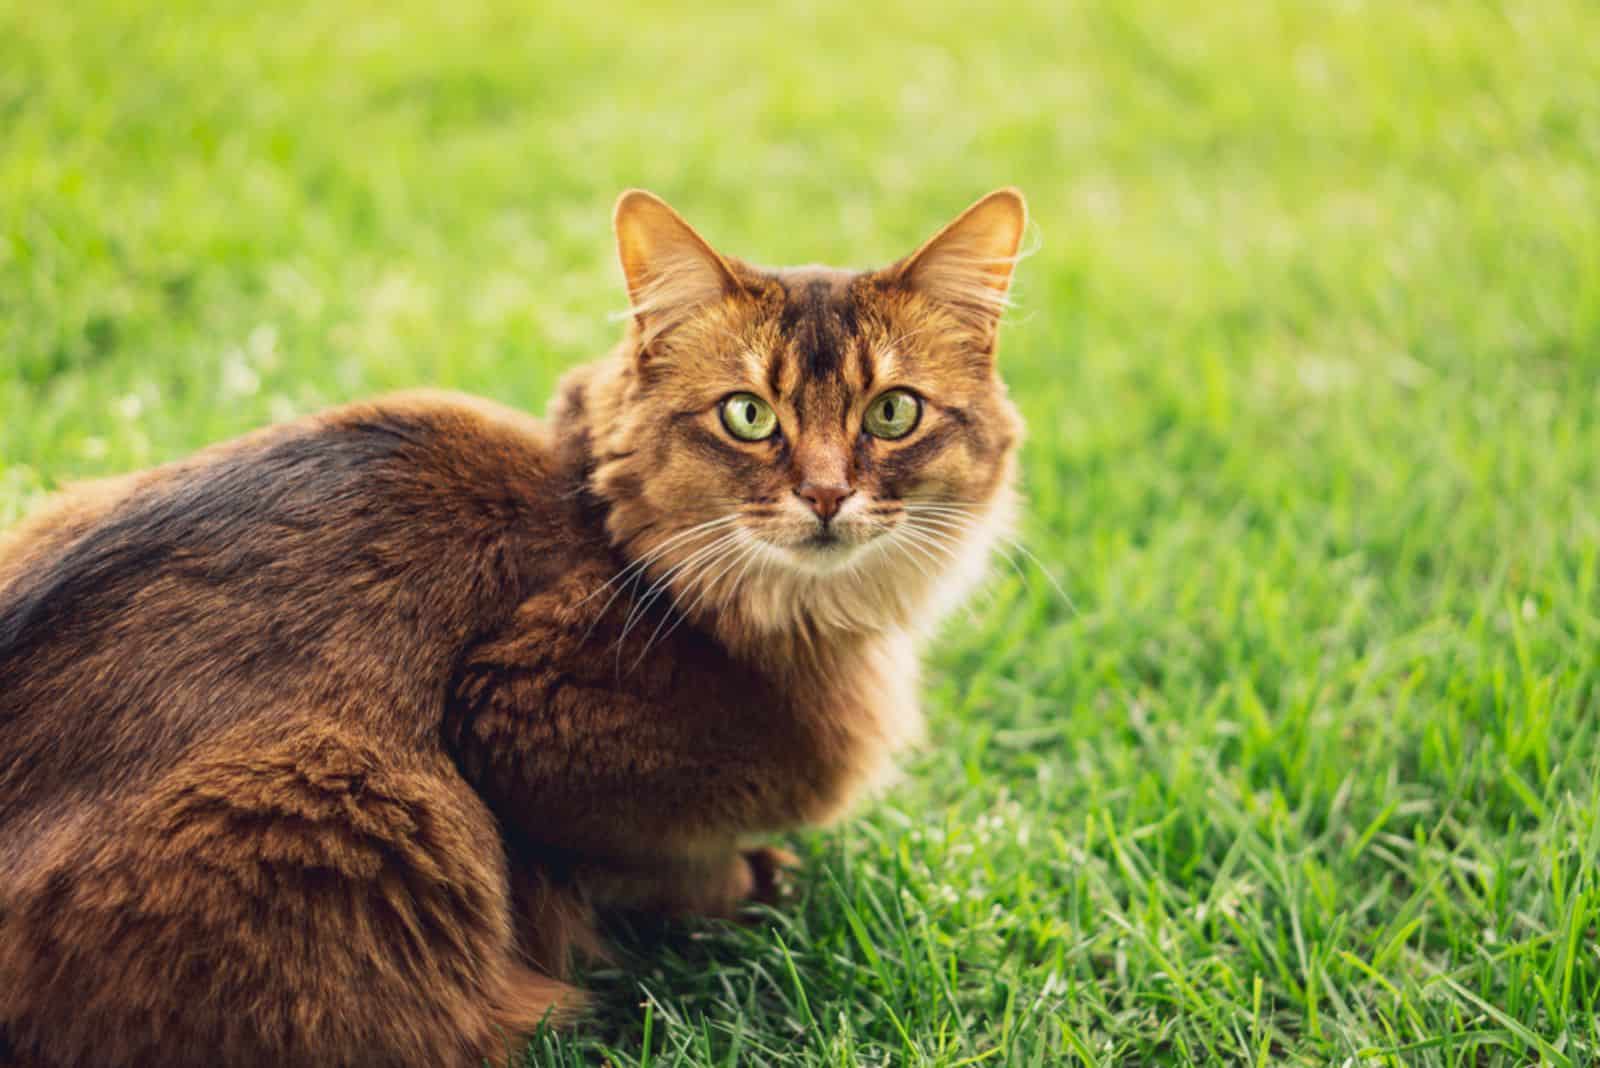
(1306, 770)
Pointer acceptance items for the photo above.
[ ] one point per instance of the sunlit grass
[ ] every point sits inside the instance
(1303, 769)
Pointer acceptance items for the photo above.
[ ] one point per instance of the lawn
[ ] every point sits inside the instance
(1302, 763)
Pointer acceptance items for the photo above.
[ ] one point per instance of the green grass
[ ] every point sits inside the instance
(1306, 772)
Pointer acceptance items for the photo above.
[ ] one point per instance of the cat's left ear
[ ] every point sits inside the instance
(967, 265)
(671, 271)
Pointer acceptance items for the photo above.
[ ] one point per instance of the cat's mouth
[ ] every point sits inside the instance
(824, 549)
(825, 540)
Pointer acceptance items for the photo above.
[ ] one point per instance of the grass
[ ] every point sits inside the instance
(1306, 770)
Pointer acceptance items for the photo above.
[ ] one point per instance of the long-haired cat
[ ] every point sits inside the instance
(323, 745)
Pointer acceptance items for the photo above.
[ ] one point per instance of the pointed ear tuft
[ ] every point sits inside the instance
(967, 265)
(671, 271)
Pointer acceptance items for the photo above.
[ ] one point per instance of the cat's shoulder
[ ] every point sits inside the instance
(440, 442)
(446, 421)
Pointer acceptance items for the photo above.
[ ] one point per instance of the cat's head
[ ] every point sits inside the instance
(809, 446)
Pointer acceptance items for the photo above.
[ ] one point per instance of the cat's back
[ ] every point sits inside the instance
(327, 566)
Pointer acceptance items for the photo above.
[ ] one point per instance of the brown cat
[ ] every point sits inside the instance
(321, 746)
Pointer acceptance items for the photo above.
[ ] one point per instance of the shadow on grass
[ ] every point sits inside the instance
(689, 987)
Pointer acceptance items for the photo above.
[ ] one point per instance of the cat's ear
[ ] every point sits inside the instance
(967, 265)
(671, 271)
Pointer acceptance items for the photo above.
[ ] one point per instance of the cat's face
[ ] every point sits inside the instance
(837, 440)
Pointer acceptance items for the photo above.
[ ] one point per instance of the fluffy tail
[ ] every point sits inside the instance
(528, 1000)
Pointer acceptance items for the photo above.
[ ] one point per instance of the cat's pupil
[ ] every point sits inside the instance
(750, 414)
(888, 409)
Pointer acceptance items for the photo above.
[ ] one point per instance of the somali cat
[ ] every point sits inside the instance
(325, 745)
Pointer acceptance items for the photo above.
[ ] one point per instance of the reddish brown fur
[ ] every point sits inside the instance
(323, 746)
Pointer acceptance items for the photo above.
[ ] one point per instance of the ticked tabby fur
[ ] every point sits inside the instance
(324, 745)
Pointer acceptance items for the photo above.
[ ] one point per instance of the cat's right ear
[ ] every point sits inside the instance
(671, 271)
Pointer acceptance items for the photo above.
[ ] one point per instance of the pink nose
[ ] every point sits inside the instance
(824, 500)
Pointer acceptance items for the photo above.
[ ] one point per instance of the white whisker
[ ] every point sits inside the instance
(942, 544)
(738, 552)
(956, 517)
(656, 588)
(755, 554)
(893, 540)
(635, 570)
(655, 553)
(1024, 550)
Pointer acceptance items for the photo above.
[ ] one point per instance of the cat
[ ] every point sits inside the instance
(324, 745)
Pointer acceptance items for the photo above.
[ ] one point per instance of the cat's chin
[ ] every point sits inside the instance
(874, 584)
(821, 555)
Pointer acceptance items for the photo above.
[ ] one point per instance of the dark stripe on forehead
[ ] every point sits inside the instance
(821, 322)
(864, 366)
(775, 360)
(847, 317)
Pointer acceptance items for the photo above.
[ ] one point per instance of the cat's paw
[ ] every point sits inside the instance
(769, 867)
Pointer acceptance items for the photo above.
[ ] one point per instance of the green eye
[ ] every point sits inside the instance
(748, 417)
(893, 414)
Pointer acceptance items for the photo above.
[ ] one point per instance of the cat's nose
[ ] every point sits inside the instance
(824, 499)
